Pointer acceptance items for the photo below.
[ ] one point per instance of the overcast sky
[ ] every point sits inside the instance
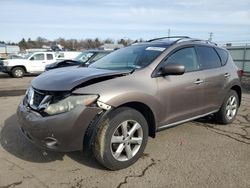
(229, 20)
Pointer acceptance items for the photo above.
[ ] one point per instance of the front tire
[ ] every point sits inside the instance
(121, 138)
(17, 72)
(229, 108)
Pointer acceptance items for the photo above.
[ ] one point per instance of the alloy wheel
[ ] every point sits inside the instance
(126, 140)
(231, 107)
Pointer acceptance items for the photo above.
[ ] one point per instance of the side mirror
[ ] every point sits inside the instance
(32, 58)
(172, 69)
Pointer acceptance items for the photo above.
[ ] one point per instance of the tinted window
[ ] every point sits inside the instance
(37, 57)
(186, 57)
(223, 55)
(209, 59)
(84, 57)
(49, 57)
(98, 56)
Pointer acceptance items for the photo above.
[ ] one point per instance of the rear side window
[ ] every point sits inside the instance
(208, 57)
(186, 57)
(223, 55)
(49, 57)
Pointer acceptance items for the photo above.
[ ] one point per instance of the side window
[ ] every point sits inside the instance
(209, 59)
(37, 57)
(186, 57)
(61, 55)
(223, 55)
(98, 56)
(86, 56)
(49, 56)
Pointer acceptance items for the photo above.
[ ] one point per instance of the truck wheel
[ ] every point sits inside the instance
(17, 72)
(229, 108)
(121, 138)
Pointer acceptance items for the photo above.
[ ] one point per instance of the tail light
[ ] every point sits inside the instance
(240, 73)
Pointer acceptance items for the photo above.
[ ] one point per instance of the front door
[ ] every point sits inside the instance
(182, 94)
(37, 63)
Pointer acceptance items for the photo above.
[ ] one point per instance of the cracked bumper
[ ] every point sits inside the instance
(5, 69)
(68, 129)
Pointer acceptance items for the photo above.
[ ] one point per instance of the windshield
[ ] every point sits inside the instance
(84, 57)
(132, 57)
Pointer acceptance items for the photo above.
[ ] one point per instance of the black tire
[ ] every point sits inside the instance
(221, 115)
(102, 148)
(17, 72)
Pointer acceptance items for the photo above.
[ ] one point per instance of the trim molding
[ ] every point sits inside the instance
(184, 121)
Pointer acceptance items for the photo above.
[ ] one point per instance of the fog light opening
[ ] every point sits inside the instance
(50, 141)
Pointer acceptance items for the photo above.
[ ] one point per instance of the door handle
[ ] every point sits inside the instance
(199, 81)
(226, 75)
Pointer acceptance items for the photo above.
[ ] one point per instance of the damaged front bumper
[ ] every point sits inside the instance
(61, 132)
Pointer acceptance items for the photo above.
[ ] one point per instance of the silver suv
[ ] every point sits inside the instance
(112, 106)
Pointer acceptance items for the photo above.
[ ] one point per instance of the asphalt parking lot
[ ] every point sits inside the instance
(195, 154)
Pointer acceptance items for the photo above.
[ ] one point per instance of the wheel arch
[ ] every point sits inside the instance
(238, 90)
(21, 66)
(146, 112)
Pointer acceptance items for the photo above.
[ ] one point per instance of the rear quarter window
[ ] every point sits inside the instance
(49, 57)
(208, 57)
(223, 55)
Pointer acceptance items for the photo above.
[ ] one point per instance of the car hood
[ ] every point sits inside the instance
(15, 60)
(57, 63)
(66, 79)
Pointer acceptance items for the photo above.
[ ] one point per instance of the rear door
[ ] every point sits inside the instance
(50, 58)
(182, 95)
(215, 77)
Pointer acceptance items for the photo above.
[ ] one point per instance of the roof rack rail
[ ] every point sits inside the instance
(171, 37)
(183, 39)
(197, 40)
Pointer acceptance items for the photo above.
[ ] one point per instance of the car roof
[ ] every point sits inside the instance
(164, 44)
(98, 51)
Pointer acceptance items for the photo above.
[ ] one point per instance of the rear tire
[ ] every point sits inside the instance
(229, 108)
(120, 139)
(17, 72)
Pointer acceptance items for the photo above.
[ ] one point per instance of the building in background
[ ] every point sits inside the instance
(6, 50)
(241, 56)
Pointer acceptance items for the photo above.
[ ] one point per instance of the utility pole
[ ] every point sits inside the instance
(210, 36)
(168, 33)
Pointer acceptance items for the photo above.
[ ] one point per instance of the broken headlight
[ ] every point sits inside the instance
(70, 103)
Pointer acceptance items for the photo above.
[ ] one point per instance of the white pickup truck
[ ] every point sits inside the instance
(32, 64)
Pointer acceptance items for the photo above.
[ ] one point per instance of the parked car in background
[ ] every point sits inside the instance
(66, 55)
(84, 58)
(114, 104)
(31, 64)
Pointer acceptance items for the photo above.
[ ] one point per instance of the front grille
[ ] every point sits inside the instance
(37, 98)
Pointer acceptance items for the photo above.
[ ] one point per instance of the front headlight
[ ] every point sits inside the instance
(70, 103)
